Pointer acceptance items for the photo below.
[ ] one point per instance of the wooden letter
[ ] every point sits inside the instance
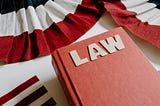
(75, 57)
(110, 44)
(99, 51)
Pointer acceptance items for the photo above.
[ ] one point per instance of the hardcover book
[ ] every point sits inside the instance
(107, 70)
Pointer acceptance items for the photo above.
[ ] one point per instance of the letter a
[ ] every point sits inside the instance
(93, 54)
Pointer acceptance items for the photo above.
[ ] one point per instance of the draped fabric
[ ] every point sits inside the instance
(141, 17)
(32, 28)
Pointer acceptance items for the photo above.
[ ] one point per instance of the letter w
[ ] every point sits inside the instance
(110, 44)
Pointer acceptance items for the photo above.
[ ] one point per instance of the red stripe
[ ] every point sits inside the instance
(5, 47)
(50, 102)
(28, 46)
(32, 97)
(18, 90)
(150, 33)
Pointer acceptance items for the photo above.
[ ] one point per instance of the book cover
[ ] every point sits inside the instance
(107, 70)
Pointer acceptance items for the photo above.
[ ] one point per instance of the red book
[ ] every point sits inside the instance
(107, 70)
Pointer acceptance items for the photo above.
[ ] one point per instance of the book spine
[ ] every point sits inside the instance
(59, 69)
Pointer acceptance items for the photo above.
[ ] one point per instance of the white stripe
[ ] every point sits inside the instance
(5, 23)
(155, 20)
(132, 3)
(40, 18)
(142, 8)
(32, 19)
(21, 22)
(44, 17)
(71, 5)
(146, 12)
(147, 16)
(56, 12)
